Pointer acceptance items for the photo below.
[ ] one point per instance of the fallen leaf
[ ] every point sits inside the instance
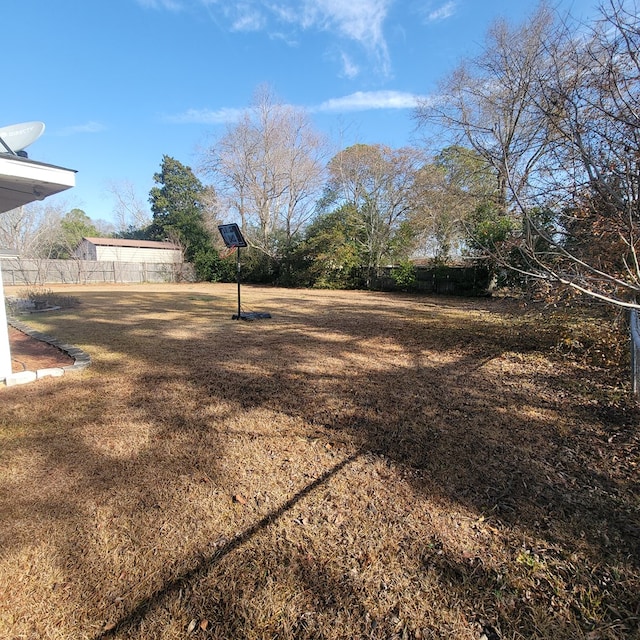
(192, 626)
(204, 624)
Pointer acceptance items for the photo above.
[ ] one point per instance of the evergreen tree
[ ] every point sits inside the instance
(178, 205)
(74, 226)
(331, 255)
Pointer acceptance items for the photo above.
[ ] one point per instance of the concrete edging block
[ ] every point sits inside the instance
(22, 377)
(51, 372)
(81, 359)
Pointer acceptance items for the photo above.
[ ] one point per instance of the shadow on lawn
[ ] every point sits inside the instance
(206, 564)
(428, 402)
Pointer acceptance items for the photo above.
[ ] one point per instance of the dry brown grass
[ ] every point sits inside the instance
(360, 466)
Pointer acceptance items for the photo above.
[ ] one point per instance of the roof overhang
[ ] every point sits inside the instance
(23, 181)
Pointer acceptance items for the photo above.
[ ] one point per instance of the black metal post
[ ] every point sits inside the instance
(238, 278)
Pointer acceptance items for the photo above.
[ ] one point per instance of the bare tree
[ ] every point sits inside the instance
(211, 212)
(565, 103)
(448, 189)
(268, 170)
(32, 230)
(378, 184)
(588, 97)
(487, 102)
(129, 210)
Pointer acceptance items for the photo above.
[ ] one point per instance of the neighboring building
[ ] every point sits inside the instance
(117, 250)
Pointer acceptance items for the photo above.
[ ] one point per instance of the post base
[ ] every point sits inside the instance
(253, 315)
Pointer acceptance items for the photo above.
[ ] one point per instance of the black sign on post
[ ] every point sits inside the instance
(233, 239)
(232, 235)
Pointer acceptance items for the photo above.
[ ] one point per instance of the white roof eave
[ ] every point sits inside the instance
(23, 181)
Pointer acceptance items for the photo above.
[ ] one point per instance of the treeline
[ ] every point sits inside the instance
(530, 168)
(373, 210)
(539, 176)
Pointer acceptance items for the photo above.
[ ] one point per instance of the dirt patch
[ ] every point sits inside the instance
(29, 354)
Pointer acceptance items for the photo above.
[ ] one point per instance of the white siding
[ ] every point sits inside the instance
(136, 254)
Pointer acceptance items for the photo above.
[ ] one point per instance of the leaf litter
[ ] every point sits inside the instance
(415, 468)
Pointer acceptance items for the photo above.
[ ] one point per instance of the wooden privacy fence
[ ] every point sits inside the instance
(462, 281)
(19, 271)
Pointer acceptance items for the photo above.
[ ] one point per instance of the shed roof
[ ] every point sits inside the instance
(135, 244)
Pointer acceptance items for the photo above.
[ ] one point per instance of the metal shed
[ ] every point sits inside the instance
(119, 250)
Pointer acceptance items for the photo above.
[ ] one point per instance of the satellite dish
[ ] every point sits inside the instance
(16, 137)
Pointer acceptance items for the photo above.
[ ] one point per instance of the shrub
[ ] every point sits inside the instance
(42, 298)
(404, 275)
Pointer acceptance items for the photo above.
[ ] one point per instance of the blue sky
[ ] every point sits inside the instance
(120, 83)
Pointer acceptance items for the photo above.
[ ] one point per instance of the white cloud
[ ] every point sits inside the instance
(285, 13)
(442, 13)
(349, 68)
(289, 39)
(368, 100)
(248, 18)
(359, 101)
(359, 21)
(206, 116)
(169, 5)
(87, 127)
